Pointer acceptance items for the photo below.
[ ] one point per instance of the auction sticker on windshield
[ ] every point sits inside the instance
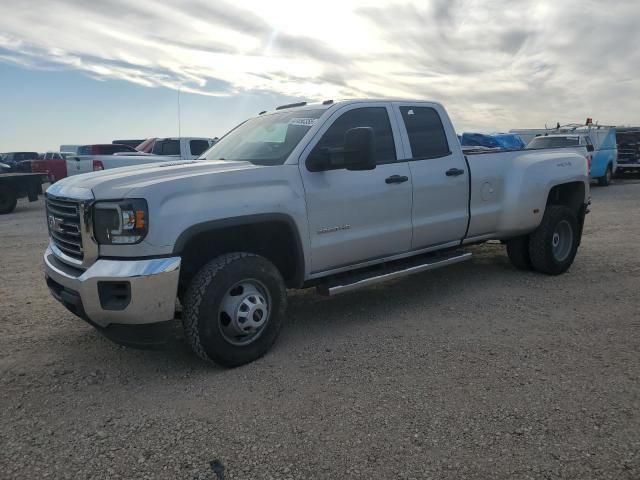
(305, 122)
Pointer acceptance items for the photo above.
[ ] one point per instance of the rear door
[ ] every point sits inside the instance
(356, 216)
(439, 175)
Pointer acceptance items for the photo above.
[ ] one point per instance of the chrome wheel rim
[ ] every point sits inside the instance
(244, 312)
(562, 240)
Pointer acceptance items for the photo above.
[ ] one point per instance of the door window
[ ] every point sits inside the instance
(197, 147)
(167, 147)
(374, 117)
(426, 132)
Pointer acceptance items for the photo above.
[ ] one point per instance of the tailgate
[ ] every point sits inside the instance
(77, 165)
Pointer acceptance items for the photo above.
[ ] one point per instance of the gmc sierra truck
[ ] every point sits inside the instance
(337, 196)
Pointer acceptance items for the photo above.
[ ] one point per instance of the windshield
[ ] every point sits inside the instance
(265, 140)
(553, 142)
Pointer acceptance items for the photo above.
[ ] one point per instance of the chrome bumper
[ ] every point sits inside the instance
(151, 291)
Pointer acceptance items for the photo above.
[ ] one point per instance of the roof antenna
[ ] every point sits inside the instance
(179, 126)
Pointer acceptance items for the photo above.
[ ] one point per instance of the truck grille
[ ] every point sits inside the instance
(63, 219)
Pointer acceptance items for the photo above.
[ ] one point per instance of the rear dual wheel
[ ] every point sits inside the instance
(552, 247)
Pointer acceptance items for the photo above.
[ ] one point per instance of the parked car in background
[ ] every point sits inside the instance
(603, 156)
(338, 195)
(184, 147)
(104, 149)
(69, 149)
(156, 150)
(130, 143)
(628, 142)
(20, 161)
(18, 185)
(603, 138)
(53, 164)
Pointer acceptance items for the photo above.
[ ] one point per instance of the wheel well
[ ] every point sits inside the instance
(569, 194)
(275, 240)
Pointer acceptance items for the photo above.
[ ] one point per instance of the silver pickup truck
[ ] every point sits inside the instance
(337, 196)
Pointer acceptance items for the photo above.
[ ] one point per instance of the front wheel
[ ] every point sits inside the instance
(605, 180)
(234, 309)
(554, 244)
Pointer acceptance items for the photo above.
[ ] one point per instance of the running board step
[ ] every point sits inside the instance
(397, 270)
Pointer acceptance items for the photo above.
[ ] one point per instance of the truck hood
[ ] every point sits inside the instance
(117, 182)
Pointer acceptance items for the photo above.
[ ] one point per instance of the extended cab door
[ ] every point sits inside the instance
(439, 173)
(356, 216)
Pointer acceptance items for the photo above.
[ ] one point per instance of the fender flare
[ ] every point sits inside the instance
(219, 224)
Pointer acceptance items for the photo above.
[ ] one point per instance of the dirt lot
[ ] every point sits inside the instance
(475, 371)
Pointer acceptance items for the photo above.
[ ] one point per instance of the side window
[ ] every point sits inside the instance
(426, 133)
(197, 147)
(374, 117)
(167, 147)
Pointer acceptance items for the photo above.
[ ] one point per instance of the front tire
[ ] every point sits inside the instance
(234, 309)
(554, 244)
(605, 180)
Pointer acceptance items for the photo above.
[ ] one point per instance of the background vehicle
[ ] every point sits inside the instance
(19, 161)
(603, 160)
(104, 149)
(130, 143)
(334, 195)
(53, 164)
(18, 185)
(69, 148)
(603, 138)
(628, 141)
(186, 148)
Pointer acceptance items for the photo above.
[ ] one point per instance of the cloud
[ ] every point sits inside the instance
(494, 64)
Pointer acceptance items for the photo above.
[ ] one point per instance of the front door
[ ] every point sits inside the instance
(356, 216)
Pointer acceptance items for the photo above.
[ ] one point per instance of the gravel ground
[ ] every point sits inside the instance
(474, 371)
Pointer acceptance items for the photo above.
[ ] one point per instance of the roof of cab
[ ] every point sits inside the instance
(326, 104)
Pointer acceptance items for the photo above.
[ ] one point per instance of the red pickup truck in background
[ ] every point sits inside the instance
(53, 164)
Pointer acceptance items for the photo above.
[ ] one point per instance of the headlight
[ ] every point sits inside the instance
(123, 222)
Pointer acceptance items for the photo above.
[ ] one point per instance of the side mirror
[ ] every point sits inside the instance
(590, 148)
(358, 153)
(359, 149)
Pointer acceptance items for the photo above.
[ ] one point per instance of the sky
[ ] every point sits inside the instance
(77, 71)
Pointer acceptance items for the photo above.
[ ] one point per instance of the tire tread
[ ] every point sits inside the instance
(194, 295)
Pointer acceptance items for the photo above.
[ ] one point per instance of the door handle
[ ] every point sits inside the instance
(454, 172)
(396, 179)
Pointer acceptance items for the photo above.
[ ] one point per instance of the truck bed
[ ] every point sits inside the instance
(18, 185)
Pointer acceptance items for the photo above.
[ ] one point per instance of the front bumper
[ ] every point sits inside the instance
(116, 292)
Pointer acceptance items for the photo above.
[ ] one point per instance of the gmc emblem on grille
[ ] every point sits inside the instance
(55, 224)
